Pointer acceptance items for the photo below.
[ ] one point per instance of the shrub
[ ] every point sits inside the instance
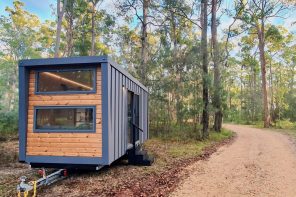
(285, 124)
(8, 123)
(175, 132)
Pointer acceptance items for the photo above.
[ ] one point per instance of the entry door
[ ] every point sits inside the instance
(133, 115)
(136, 116)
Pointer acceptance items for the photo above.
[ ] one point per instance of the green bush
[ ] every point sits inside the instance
(285, 124)
(175, 132)
(8, 123)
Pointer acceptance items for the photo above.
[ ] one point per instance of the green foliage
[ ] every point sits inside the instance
(19, 40)
(8, 122)
(285, 124)
(175, 132)
(174, 75)
(273, 33)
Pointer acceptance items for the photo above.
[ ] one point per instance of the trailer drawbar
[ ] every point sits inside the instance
(25, 187)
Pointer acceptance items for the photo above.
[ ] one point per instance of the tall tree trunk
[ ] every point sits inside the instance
(217, 75)
(272, 111)
(93, 33)
(176, 70)
(241, 93)
(143, 69)
(69, 34)
(60, 14)
(253, 92)
(205, 82)
(261, 38)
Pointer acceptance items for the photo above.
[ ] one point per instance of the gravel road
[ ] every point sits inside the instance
(258, 163)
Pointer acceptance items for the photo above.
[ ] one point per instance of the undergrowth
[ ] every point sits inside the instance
(182, 143)
(8, 125)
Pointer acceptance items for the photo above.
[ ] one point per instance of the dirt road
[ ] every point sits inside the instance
(258, 163)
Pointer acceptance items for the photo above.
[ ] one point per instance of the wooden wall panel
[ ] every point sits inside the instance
(64, 144)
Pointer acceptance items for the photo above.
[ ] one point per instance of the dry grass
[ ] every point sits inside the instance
(10, 169)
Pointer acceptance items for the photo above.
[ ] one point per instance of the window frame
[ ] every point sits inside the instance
(92, 69)
(35, 130)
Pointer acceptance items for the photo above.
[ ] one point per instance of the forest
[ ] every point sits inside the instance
(204, 61)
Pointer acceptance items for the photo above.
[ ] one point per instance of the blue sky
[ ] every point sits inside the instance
(40, 8)
(43, 9)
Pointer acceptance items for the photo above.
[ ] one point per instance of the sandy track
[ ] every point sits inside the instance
(258, 163)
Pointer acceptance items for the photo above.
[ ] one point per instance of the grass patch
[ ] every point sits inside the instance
(290, 132)
(193, 148)
(283, 126)
(280, 124)
(174, 147)
(175, 132)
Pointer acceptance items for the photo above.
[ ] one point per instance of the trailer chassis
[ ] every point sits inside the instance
(25, 187)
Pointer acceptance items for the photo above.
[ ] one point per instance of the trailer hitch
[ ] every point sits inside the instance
(25, 187)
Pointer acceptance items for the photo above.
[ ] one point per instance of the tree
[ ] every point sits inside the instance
(93, 35)
(217, 76)
(133, 6)
(87, 30)
(60, 14)
(144, 42)
(205, 82)
(256, 14)
(19, 39)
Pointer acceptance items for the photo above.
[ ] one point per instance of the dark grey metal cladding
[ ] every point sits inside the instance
(116, 117)
(124, 112)
(64, 61)
(23, 109)
(112, 116)
(105, 73)
(77, 61)
(65, 160)
(145, 115)
(120, 118)
(118, 121)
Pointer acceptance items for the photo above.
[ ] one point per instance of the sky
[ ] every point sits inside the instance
(44, 9)
(40, 8)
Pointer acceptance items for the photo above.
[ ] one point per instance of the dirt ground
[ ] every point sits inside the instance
(258, 163)
(10, 169)
(120, 179)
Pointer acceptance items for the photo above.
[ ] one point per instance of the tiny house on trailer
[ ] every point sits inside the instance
(80, 112)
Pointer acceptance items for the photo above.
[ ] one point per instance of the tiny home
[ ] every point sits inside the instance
(79, 111)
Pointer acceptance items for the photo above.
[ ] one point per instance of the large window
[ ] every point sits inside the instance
(66, 81)
(64, 119)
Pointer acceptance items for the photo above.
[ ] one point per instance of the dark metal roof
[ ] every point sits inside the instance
(77, 60)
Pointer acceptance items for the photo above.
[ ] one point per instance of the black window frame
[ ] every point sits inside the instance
(35, 130)
(92, 69)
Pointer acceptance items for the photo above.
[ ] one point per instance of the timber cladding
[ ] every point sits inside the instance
(64, 144)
